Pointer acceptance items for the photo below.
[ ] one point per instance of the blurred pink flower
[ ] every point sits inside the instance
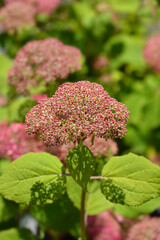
(151, 52)
(44, 60)
(41, 6)
(16, 15)
(101, 147)
(100, 62)
(76, 111)
(147, 229)
(14, 141)
(156, 159)
(105, 78)
(103, 227)
(3, 101)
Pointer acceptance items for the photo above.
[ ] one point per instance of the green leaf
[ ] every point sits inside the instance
(133, 212)
(4, 163)
(130, 48)
(130, 180)
(80, 163)
(16, 234)
(125, 6)
(84, 13)
(34, 178)
(95, 200)
(7, 209)
(60, 215)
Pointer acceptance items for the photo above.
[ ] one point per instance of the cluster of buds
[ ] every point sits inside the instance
(103, 227)
(151, 52)
(76, 111)
(47, 60)
(14, 141)
(16, 15)
(40, 6)
(147, 229)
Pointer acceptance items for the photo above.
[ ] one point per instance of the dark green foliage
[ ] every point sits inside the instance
(112, 192)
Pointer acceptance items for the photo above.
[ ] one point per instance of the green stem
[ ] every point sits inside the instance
(82, 215)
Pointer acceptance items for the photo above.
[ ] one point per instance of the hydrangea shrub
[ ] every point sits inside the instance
(83, 114)
(43, 61)
(16, 15)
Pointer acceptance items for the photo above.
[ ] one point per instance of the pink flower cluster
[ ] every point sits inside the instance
(103, 227)
(40, 6)
(14, 141)
(16, 15)
(148, 229)
(47, 60)
(151, 52)
(76, 111)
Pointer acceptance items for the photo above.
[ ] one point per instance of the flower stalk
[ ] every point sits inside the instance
(82, 215)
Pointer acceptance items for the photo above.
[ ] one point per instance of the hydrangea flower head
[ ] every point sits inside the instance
(16, 15)
(103, 227)
(151, 52)
(147, 229)
(41, 6)
(43, 60)
(14, 141)
(76, 111)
